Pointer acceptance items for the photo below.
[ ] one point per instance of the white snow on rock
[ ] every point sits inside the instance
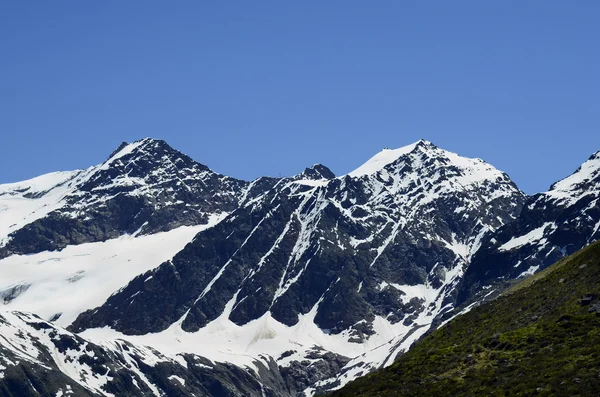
(472, 171)
(312, 182)
(24, 341)
(416, 184)
(531, 237)
(529, 271)
(24, 202)
(82, 277)
(178, 379)
(569, 190)
(381, 159)
(224, 341)
(127, 149)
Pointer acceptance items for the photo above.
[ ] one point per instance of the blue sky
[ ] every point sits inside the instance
(270, 87)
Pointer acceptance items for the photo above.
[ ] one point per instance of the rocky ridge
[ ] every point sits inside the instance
(320, 279)
(142, 188)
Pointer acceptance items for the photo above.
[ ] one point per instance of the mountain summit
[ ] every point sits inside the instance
(278, 286)
(142, 188)
(353, 262)
(551, 225)
(585, 181)
(386, 157)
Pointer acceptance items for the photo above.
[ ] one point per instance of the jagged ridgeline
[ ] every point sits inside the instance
(331, 246)
(154, 268)
(142, 188)
(541, 337)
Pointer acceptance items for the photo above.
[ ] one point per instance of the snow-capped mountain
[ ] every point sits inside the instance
(354, 261)
(352, 237)
(551, 225)
(142, 188)
(280, 286)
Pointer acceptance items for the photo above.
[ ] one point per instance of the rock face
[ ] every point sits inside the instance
(370, 256)
(144, 187)
(38, 358)
(387, 243)
(316, 172)
(538, 338)
(294, 285)
(551, 225)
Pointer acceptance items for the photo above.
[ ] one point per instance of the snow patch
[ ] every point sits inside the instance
(531, 237)
(178, 379)
(529, 271)
(312, 182)
(24, 202)
(82, 277)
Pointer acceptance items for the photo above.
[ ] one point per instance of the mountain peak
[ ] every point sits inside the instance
(126, 148)
(585, 180)
(118, 149)
(150, 153)
(383, 158)
(388, 156)
(144, 187)
(317, 172)
(422, 166)
(424, 143)
(122, 150)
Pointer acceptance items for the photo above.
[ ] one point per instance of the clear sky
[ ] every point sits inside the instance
(254, 88)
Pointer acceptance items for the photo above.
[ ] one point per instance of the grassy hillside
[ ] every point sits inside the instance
(540, 338)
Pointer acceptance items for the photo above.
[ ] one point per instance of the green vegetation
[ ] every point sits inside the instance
(540, 338)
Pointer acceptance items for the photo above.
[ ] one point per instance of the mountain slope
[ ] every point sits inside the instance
(362, 260)
(551, 225)
(539, 338)
(298, 284)
(300, 237)
(24, 202)
(143, 187)
(38, 358)
(61, 285)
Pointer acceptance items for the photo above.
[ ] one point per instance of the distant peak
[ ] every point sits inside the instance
(146, 148)
(419, 151)
(586, 173)
(317, 172)
(387, 156)
(424, 143)
(126, 147)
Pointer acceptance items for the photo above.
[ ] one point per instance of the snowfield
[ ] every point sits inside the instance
(82, 277)
(24, 202)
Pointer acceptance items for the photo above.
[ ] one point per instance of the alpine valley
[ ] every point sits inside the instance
(152, 275)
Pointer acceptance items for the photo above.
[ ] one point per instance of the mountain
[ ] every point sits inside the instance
(303, 243)
(551, 225)
(142, 188)
(298, 284)
(354, 261)
(539, 338)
